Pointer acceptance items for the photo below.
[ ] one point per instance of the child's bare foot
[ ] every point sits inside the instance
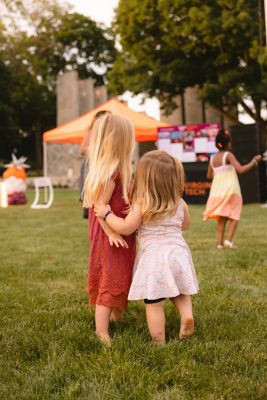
(116, 315)
(187, 328)
(104, 339)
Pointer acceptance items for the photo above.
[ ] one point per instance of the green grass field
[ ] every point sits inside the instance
(48, 347)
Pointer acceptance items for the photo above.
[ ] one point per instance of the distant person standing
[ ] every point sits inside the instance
(84, 148)
(225, 198)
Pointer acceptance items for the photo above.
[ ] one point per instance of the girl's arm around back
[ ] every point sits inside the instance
(122, 226)
(113, 237)
(186, 221)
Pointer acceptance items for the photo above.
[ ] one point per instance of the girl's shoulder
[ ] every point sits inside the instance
(220, 158)
(228, 157)
(178, 214)
(229, 153)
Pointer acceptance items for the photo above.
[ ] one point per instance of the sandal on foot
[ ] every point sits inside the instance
(228, 245)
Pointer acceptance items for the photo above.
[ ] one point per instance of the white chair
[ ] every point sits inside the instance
(44, 182)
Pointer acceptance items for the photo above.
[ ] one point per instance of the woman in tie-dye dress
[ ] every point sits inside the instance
(225, 198)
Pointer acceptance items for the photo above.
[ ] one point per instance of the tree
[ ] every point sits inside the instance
(7, 117)
(80, 44)
(41, 40)
(169, 45)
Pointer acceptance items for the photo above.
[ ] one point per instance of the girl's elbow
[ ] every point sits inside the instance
(123, 230)
(240, 169)
(127, 232)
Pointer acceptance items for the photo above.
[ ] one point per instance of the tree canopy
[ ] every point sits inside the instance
(39, 40)
(169, 45)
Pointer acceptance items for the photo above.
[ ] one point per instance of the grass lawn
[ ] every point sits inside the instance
(48, 347)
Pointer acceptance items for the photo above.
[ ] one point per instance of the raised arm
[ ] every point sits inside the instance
(186, 221)
(241, 169)
(123, 226)
(114, 237)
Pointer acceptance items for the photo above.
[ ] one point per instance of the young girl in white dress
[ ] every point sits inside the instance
(163, 267)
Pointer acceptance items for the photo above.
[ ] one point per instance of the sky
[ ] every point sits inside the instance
(98, 10)
(103, 11)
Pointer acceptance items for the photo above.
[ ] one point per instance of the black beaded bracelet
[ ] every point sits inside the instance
(107, 214)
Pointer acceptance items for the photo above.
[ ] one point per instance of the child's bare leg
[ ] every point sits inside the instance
(102, 315)
(220, 230)
(155, 317)
(183, 304)
(231, 229)
(116, 314)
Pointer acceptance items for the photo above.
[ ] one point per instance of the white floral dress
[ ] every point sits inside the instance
(163, 266)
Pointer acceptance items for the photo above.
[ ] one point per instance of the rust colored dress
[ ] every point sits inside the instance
(110, 268)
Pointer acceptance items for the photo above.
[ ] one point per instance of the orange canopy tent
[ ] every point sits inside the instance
(73, 131)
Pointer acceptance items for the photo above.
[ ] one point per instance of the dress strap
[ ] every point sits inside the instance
(224, 157)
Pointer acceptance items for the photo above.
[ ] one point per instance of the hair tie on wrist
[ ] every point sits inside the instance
(107, 214)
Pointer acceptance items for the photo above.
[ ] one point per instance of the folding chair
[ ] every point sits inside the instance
(43, 182)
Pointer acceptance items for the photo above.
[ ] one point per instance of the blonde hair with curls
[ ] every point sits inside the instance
(158, 185)
(109, 153)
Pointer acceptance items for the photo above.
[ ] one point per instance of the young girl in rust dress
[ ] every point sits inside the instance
(111, 256)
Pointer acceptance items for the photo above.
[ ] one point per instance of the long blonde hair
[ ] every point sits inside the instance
(109, 153)
(97, 115)
(158, 185)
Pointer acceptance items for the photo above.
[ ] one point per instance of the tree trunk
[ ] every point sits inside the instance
(38, 147)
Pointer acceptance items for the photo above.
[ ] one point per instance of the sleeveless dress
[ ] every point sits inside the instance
(163, 266)
(225, 199)
(110, 268)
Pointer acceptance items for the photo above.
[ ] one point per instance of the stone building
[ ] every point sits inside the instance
(191, 110)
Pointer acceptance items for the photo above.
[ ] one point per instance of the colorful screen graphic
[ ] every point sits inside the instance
(189, 143)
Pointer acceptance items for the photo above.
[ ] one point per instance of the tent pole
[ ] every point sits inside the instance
(45, 158)
(45, 172)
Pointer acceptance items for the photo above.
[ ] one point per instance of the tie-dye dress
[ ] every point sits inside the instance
(225, 199)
